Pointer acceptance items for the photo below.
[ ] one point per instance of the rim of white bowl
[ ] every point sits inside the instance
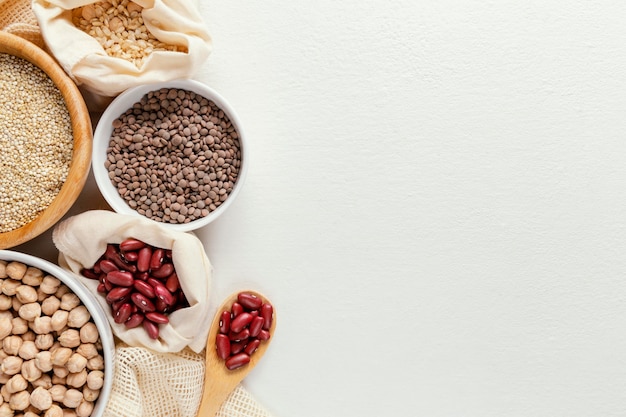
(96, 311)
(123, 102)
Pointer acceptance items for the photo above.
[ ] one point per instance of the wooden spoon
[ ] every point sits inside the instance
(219, 382)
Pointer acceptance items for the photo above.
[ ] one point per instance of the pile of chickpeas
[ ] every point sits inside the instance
(51, 360)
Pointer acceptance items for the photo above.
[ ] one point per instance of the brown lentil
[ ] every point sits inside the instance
(180, 179)
(36, 142)
(119, 27)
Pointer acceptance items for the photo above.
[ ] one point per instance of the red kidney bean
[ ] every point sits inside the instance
(249, 301)
(240, 321)
(142, 301)
(172, 283)
(140, 283)
(121, 278)
(267, 311)
(158, 318)
(256, 325)
(263, 335)
(225, 322)
(107, 266)
(117, 293)
(237, 361)
(162, 293)
(134, 320)
(156, 260)
(144, 288)
(151, 328)
(122, 314)
(143, 259)
(142, 276)
(89, 273)
(236, 347)
(236, 309)
(131, 244)
(239, 336)
(252, 346)
(163, 272)
(131, 256)
(223, 346)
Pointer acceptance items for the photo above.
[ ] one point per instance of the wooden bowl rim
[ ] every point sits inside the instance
(82, 138)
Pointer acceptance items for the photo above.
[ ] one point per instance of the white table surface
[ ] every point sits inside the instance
(435, 203)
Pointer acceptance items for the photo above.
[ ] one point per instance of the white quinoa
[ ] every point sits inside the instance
(36, 142)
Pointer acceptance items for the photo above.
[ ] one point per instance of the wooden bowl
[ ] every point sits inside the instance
(82, 132)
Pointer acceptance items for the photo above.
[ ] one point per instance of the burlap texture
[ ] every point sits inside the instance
(17, 17)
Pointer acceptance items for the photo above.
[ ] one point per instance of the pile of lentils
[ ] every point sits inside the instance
(36, 141)
(174, 156)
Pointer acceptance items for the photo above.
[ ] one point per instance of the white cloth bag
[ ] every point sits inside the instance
(83, 238)
(86, 62)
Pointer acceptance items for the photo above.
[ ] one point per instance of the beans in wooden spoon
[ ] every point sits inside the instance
(248, 339)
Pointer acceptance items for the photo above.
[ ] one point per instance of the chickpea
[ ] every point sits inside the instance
(6, 327)
(29, 336)
(73, 398)
(54, 411)
(58, 380)
(43, 360)
(61, 355)
(77, 380)
(44, 341)
(4, 392)
(9, 286)
(68, 412)
(70, 338)
(96, 363)
(28, 350)
(30, 311)
(19, 400)
(78, 317)
(76, 363)
(60, 371)
(58, 392)
(63, 289)
(6, 411)
(69, 301)
(26, 294)
(5, 302)
(59, 320)
(90, 394)
(42, 325)
(49, 305)
(11, 365)
(19, 325)
(95, 380)
(89, 333)
(33, 276)
(15, 304)
(84, 409)
(3, 269)
(40, 398)
(88, 350)
(41, 296)
(16, 270)
(17, 383)
(4, 378)
(30, 371)
(45, 381)
(12, 344)
(50, 284)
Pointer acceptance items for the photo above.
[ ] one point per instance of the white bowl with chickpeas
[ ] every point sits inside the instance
(173, 152)
(57, 346)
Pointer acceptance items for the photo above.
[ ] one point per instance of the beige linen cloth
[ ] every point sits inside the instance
(17, 17)
(153, 378)
(175, 22)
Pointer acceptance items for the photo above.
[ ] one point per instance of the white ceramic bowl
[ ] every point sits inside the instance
(125, 101)
(98, 315)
